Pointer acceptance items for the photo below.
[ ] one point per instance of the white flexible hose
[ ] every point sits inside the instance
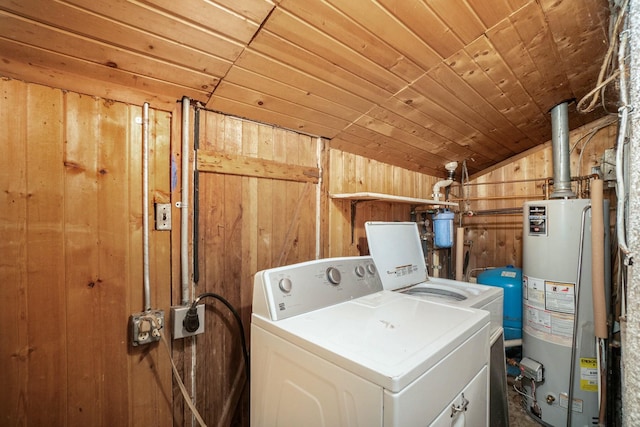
(624, 118)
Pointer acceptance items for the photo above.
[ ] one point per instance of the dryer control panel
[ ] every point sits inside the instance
(287, 291)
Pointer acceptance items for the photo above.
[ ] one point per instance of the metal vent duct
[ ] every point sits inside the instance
(560, 146)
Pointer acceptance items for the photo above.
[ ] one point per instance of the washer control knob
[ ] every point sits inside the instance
(360, 271)
(371, 268)
(334, 276)
(285, 285)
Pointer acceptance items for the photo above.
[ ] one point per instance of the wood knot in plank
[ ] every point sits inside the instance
(23, 354)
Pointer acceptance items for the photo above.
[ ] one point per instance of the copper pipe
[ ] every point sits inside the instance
(513, 181)
(523, 196)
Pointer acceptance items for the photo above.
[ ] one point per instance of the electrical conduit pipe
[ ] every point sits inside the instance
(184, 204)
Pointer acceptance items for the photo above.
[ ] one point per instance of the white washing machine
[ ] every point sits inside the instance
(397, 252)
(330, 348)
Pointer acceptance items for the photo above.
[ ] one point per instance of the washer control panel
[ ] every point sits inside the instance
(299, 288)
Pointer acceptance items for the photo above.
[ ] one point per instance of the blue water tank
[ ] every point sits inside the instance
(443, 229)
(508, 278)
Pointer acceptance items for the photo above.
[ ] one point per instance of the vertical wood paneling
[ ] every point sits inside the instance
(73, 193)
(246, 224)
(46, 305)
(83, 281)
(160, 256)
(15, 348)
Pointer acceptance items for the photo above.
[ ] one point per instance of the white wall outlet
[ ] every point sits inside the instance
(163, 216)
(178, 314)
(146, 327)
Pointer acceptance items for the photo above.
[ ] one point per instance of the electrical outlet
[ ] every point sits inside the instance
(178, 314)
(146, 327)
(163, 216)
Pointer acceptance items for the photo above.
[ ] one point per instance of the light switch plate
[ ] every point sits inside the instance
(163, 216)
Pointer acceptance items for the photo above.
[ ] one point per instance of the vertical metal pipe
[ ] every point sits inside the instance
(184, 204)
(597, 259)
(145, 205)
(319, 162)
(560, 147)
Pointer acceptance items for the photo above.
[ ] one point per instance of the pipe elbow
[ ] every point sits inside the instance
(438, 185)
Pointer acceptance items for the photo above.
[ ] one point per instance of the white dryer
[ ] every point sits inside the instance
(397, 252)
(329, 347)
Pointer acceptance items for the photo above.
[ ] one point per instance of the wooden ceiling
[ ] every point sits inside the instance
(415, 83)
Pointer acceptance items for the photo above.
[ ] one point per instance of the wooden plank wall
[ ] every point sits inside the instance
(257, 211)
(350, 173)
(496, 240)
(71, 269)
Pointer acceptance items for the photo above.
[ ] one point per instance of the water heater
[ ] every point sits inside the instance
(557, 291)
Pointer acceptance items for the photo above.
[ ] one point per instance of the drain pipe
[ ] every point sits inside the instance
(184, 204)
(560, 147)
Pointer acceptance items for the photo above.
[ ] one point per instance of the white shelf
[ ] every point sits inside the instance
(391, 198)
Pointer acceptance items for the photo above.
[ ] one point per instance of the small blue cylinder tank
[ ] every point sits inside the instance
(443, 229)
(508, 278)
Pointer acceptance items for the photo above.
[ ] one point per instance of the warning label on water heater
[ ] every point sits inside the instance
(537, 220)
(588, 374)
(548, 309)
(559, 297)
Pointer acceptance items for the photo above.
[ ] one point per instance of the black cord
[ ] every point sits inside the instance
(193, 312)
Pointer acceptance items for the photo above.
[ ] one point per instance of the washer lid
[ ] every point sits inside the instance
(396, 250)
(389, 338)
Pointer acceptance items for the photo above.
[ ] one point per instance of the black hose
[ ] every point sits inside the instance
(243, 340)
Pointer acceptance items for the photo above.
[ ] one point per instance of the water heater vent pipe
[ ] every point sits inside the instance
(560, 147)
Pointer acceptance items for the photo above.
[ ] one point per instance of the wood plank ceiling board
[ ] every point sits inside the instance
(472, 79)
(203, 14)
(286, 26)
(563, 19)
(38, 61)
(317, 122)
(260, 82)
(386, 150)
(529, 23)
(499, 72)
(258, 63)
(302, 60)
(498, 126)
(492, 137)
(430, 140)
(386, 26)
(55, 40)
(450, 124)
(426, 24)
(491, 12)
(448, 131)
(128, 26)
(460, 18)
(388, 134)
(341, 28)
(506, 41)
(468, 70)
